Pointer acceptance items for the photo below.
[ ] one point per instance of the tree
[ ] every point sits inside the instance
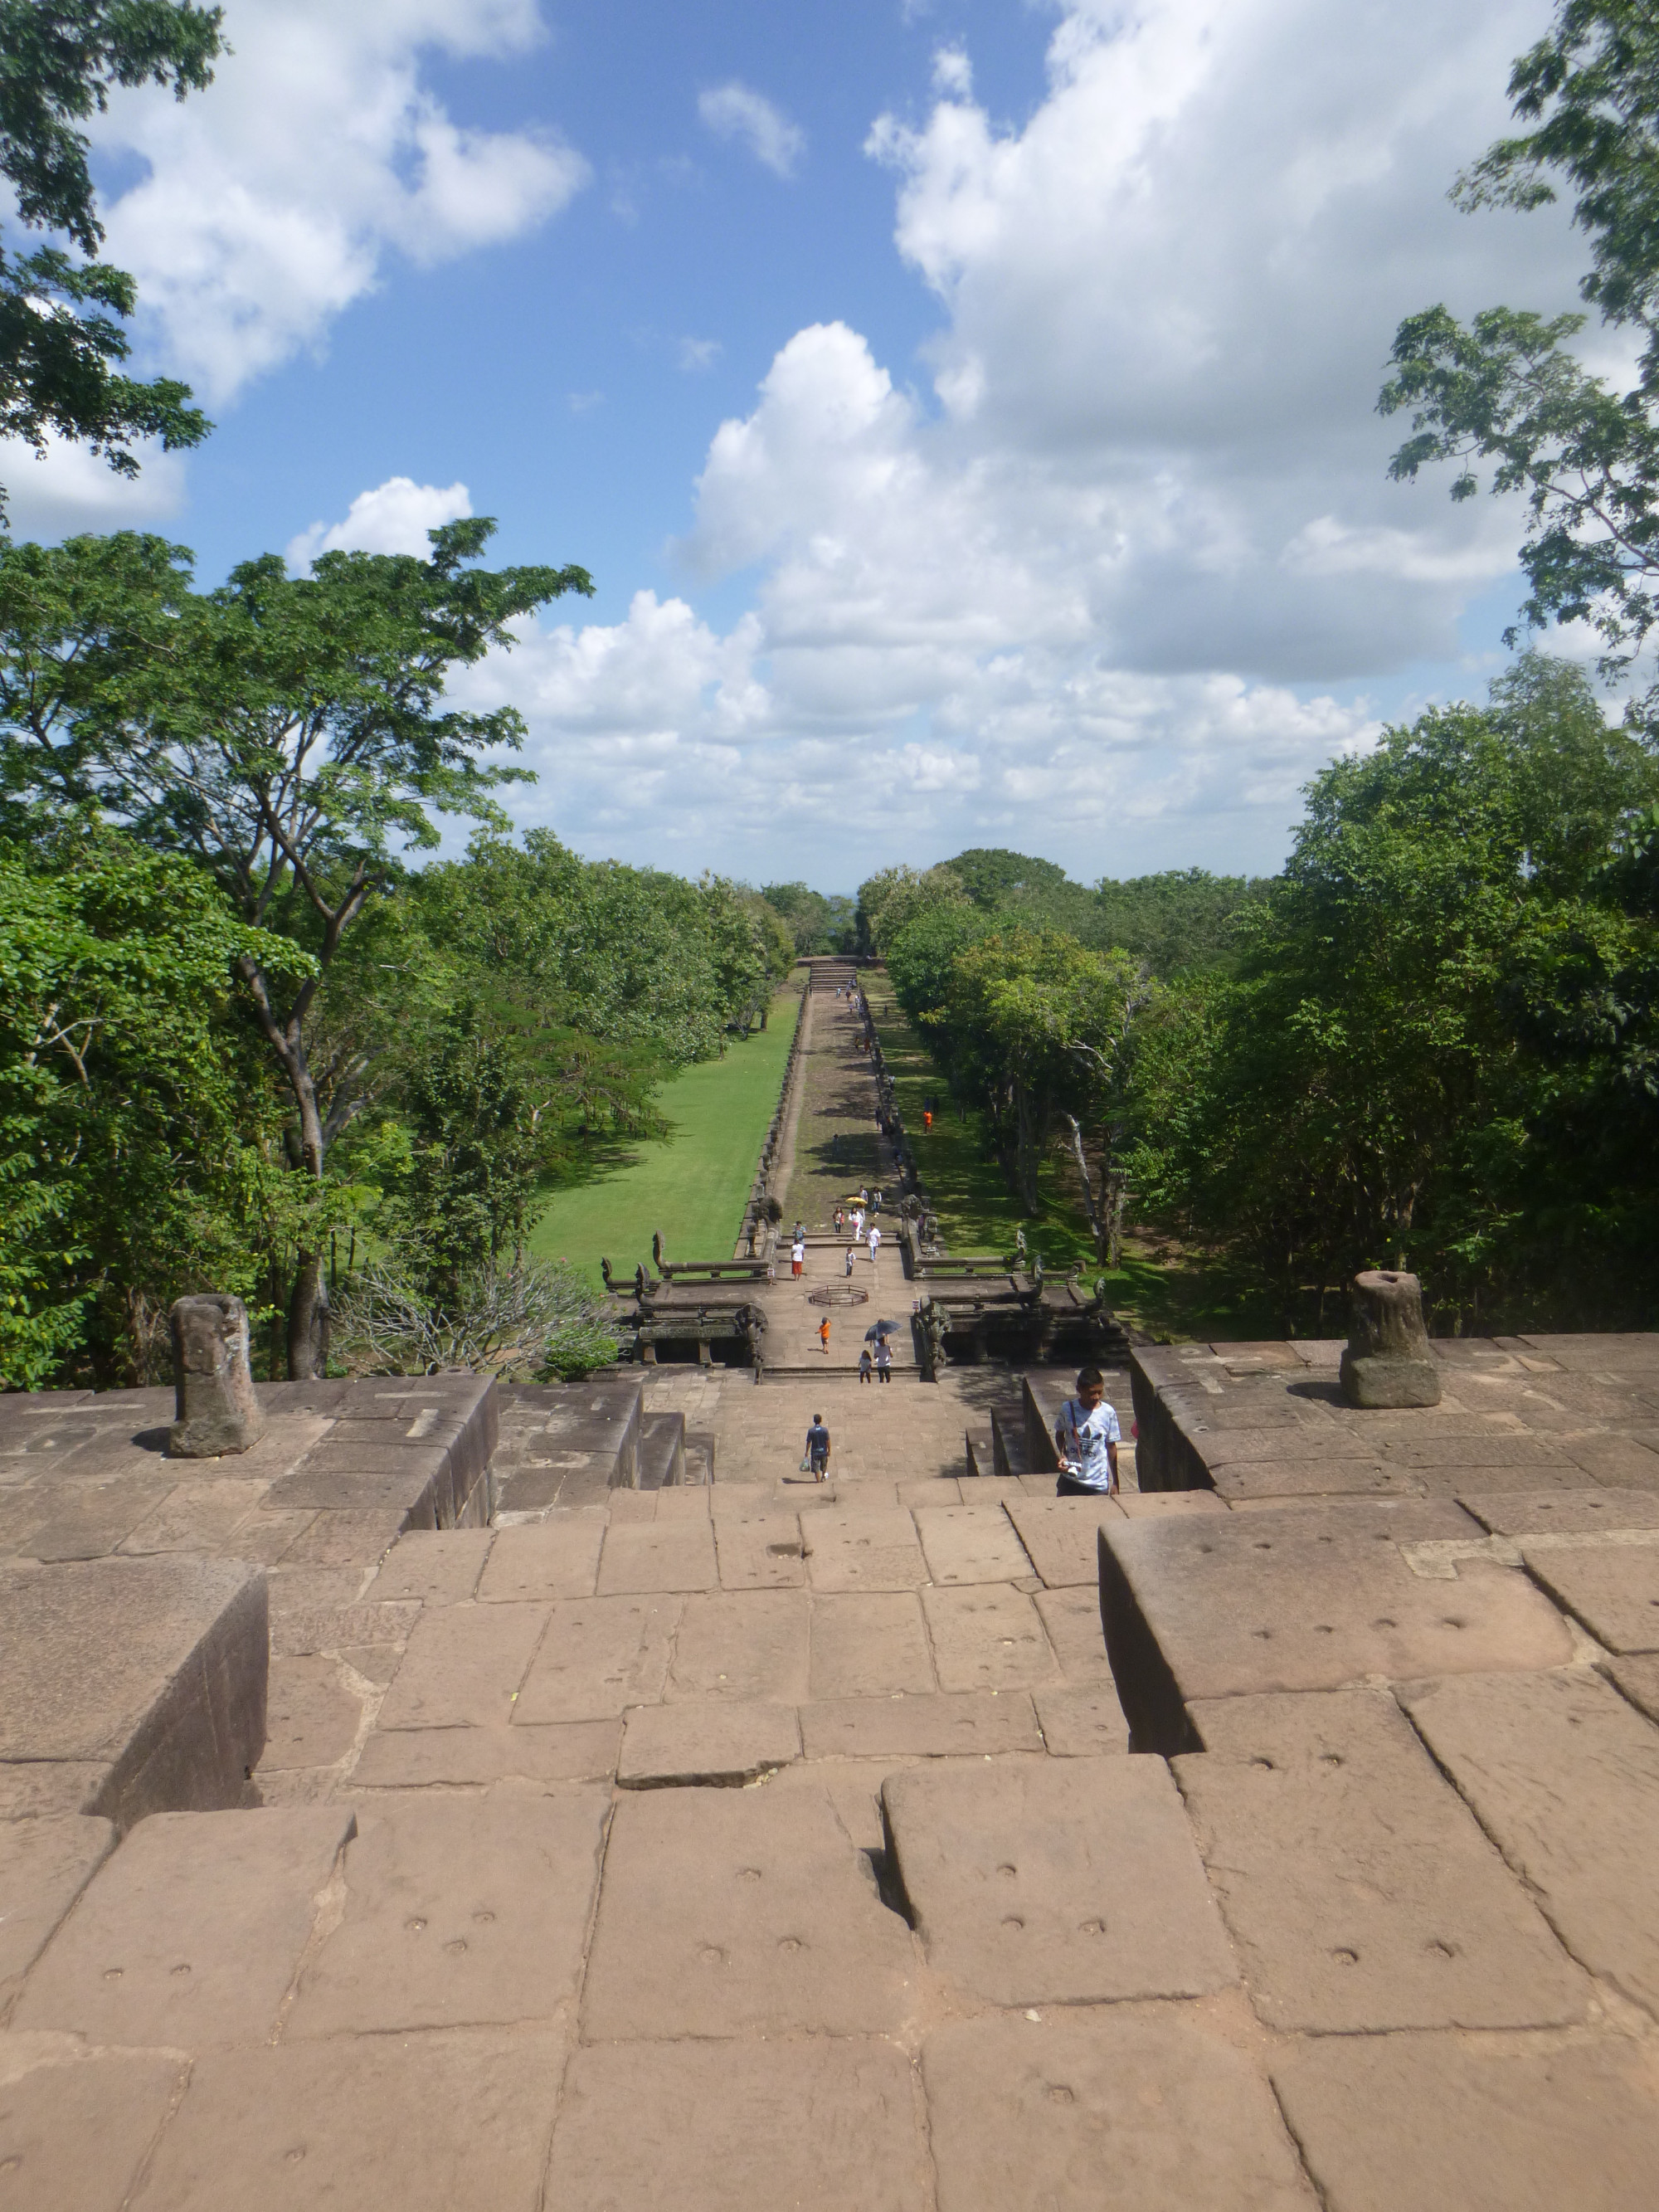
(890, 900)
(60, 337)
(140, 1153)
(290, 734)
(820, 924)
(1508, 390)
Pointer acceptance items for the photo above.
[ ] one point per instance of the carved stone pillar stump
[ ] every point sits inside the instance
(216, 1410)
(1388, 1361)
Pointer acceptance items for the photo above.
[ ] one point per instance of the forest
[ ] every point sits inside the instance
(1432, 1041)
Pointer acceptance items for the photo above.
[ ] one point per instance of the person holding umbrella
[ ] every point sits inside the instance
(883, 1360)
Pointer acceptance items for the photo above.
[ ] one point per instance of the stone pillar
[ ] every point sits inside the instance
(217, 1408)
(1388, 1361)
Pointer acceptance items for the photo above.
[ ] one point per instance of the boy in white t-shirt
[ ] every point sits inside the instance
(1087, 1434)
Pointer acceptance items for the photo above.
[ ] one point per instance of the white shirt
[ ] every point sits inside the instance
(875, 1237)
(798, 1251)
(1085, 1437)
(858, 1224)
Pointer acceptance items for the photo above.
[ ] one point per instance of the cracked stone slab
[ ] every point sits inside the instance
(711, 1741)
(759, 1550)
(817, 2126)
(1071, 1617)
(599, 1655)
(771, 1922)
(852, 1549)
(544, 1560)
(421, 2123)
(658, 1555)
(311, 1716)
(1082, 1723)
(1424, 2123)
(984, 1722)
(1133, 2109)
(1062, 1881)
(988, 1638)
(440, 1566)
(474, 1758)
(74, 2131)
(1563, 1776)
(1612, 1586)
(463, 1666)
(191, 1933)
(1359, 1891)
(1061, 1535)
(970, 1544)
(459, 1911)
(45, 1864)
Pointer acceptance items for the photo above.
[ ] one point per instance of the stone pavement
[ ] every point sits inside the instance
(764, 1843)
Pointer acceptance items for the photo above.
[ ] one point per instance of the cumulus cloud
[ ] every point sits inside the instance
(394, 518)
(699, 353)
(736, 111)
(271, 202)
(1132, 571)
(66, 490)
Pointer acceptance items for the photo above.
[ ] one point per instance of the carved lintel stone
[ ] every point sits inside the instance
(1387, 1362)
(213, 1385)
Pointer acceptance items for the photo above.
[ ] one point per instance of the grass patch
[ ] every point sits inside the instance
(694, 1185)
(1158, 1287)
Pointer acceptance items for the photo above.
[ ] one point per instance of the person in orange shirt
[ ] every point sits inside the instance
(824, 1334)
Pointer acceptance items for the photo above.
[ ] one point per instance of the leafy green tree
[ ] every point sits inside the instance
(819, 923)
(291, 735)
(891, 901)
(140, 1152)
(991, 875)
(61, 343)
(1507, 390)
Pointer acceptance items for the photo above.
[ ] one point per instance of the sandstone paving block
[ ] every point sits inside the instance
(1132, 2109)
(599, 1655)
(1161, 1504)
(1621, 1462)
(1082, 1723)
(43, 1789)
(463, 1666)
(468, 1758)
(87, 1520)
(985, 1723)
(346, 1539)
(1321, 1477)
(869, 1643)
(666, 1555)
(1563, 1776)
(1061, 1536)
(153, 1669)
(855, 1548)
(1445, 2124)
(343, 1627)
(1637, 1679)
(1071, 1617)
(440, 1566)
(711, 1742)
(1292, 1601)
(939, 1490)
(191, 1933)
(311, 1716)
(988, 1638)
(459, 1911)
(970, 1544)
(770, 1921)
(1611, 1587)
(558, 1558)
(1572, 1512)
(1063, 1881)
(742, 1643)
(1511, 1455)
(197, 1516)
(265, 1537)
(1358, 1890)
(759, 1550)
(73, 2130)
(385, 2123)
(815, 2124)
(45, 1864)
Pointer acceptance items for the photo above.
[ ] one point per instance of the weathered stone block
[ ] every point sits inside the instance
(215, 1408)
(74, 2131)
(1388, 1361)
(707, 1743)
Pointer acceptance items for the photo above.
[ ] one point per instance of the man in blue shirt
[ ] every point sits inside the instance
(1087, 1434)
(817, 1448)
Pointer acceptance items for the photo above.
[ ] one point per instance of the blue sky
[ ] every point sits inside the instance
(964, 409)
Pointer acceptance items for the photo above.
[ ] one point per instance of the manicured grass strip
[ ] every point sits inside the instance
(694, 1186)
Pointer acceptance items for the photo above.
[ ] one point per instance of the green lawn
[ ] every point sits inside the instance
(694, 1187)
(1163, 1289)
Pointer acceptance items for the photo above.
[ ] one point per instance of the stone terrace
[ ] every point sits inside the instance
(759, 1843)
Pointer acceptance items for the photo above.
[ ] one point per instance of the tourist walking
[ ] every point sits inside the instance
(875, 1244)
(816, 1461)
(797, 1256)
(858, 1222)
(824, 1334)
(883, 1360)
(865, 1363)
(1087, 1434)
(840, 1218)
(850, 1260)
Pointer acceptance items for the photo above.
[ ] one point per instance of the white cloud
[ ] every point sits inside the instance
(735, 111)
(699, 353)
(272, 200)
(394, 518)
(953, 73)
(68, 491)
(1140, 572)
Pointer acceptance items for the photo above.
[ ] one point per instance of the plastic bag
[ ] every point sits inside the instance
(806, 1463)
